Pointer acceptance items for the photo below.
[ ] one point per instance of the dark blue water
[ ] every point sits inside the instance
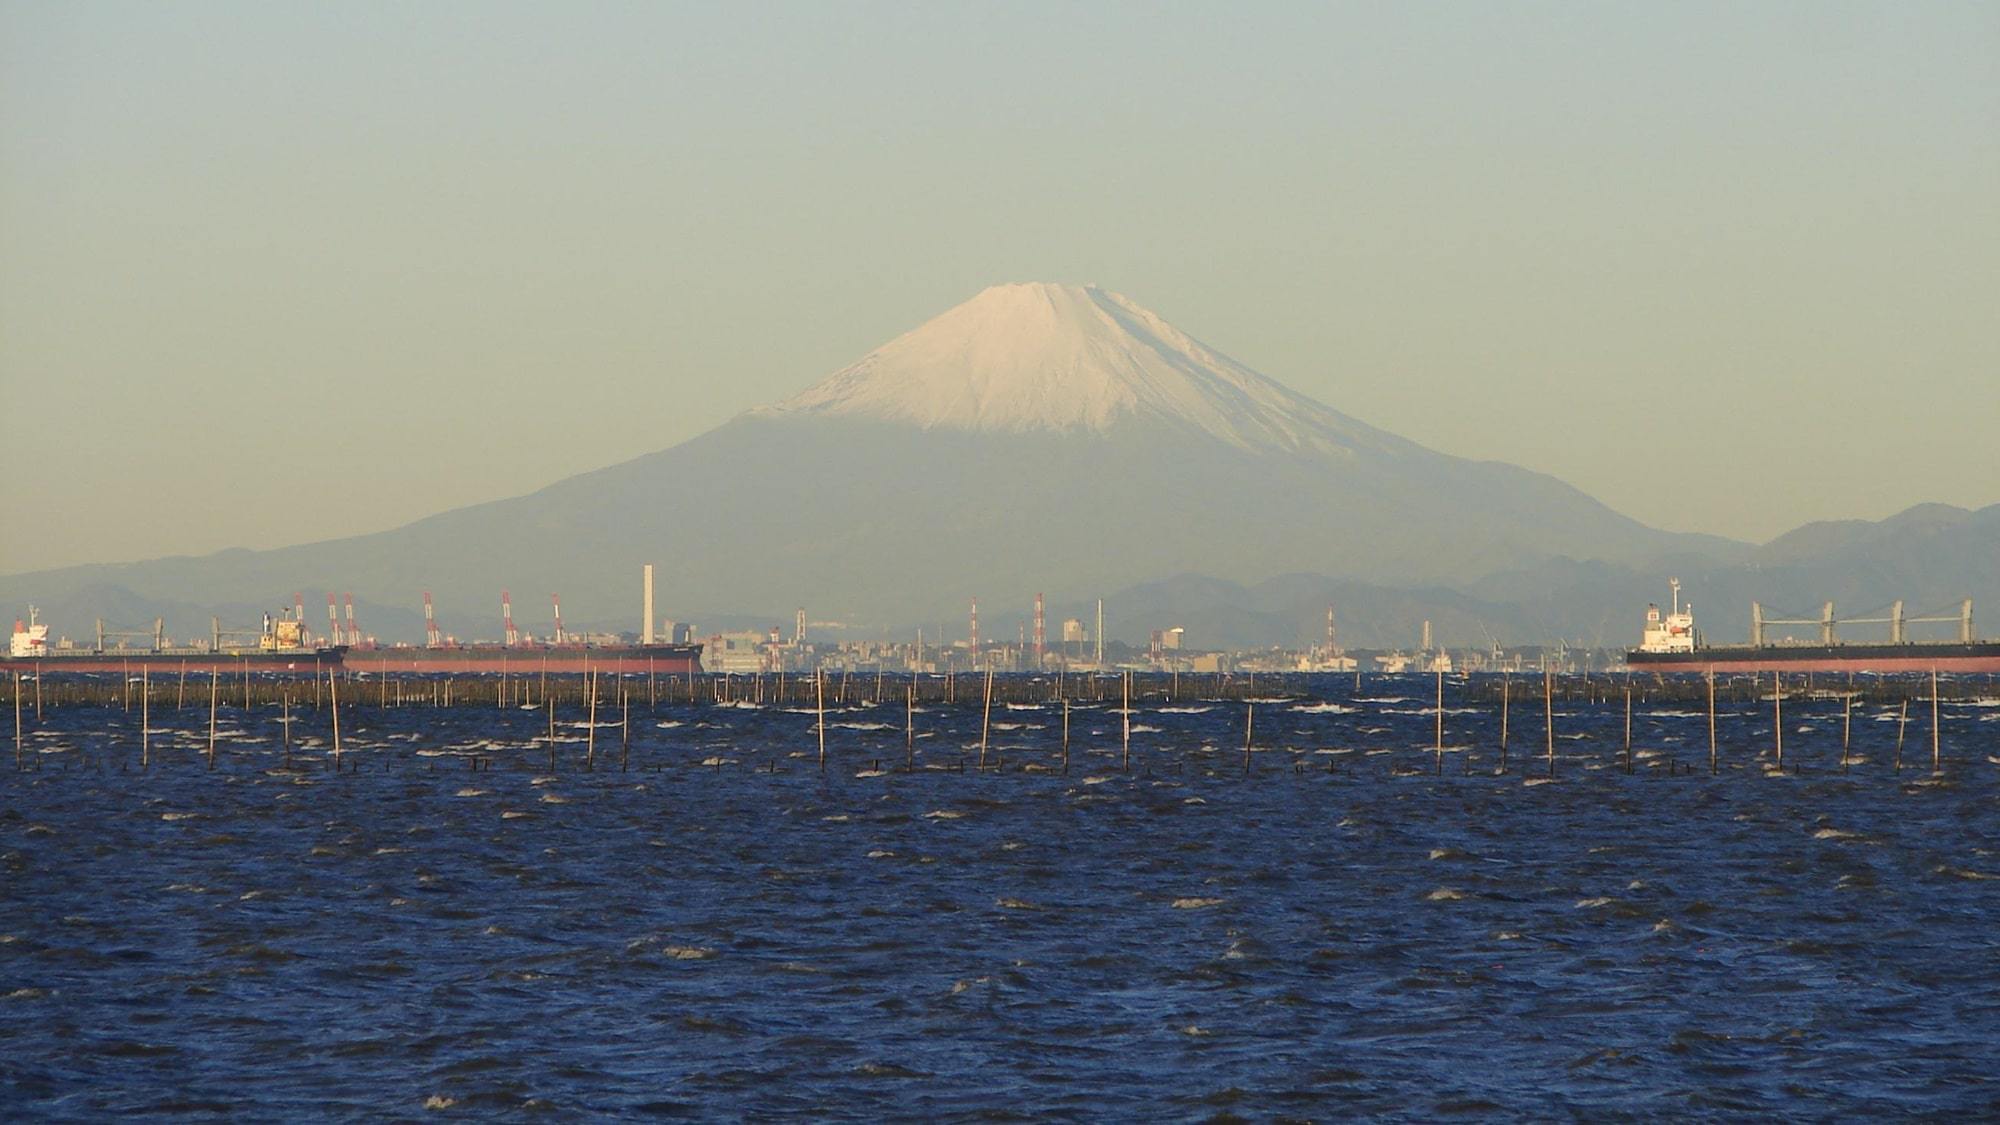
(1339, 933)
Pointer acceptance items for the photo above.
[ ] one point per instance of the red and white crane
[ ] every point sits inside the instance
(507, 619)
(353, 632)
(431, 636)
(1041, 631)
(556, 601)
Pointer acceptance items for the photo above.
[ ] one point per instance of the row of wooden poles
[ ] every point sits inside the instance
(590, 690)
(534, 689)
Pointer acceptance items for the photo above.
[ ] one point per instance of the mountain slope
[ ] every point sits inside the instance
(1048, 438)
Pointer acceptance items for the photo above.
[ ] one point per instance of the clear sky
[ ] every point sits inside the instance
(279, 272)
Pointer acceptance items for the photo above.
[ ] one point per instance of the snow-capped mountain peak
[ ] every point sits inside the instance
(1041, 356)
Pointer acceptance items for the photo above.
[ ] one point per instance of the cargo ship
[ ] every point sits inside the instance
(1672, 643)
(281, 646)
(527, 658)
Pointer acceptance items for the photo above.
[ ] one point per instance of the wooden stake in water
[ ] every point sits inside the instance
(1846, 727)
(910, 727)
(1506, 686)
(333, 704)
(1441, 723)
(287, 720)
(986, 717)
(214, 678)
(1249, 723)
(1711, 723)
(1127, 715)
(1937, 763)
(1778, 717)
(819, 692)
(1549, 716)
(1902, 721)
(19, 763)
(1065, 758)
(590, 727)
(1628, 728)
(180, 690)
(625, 730)
(145, 715)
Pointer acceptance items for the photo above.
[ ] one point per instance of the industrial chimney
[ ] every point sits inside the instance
(646, 634)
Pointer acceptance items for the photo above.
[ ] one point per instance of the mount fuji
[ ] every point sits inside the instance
(1038, 437)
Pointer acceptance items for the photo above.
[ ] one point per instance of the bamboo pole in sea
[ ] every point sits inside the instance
(1065, 748)
(1549, 717)
(19, 762)
(1126, 714)
(1506, 685)
(590, 728)
(910, 726)
(1628, 727)
(1249, 724)
(333, 705)
(1902, 721)
(1778, 717)
(1440, 723)
(1937, 762)
(145, 715)
(625, 729)
(986, 717)
(214, 678)
(819, 693)
(1712, 766)
(1846, 727)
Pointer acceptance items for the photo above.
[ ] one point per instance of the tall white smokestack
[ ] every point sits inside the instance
(647, 632)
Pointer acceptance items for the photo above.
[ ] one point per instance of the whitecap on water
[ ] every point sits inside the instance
(1196, 903)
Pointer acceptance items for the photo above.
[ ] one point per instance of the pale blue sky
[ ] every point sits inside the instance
(278, 272)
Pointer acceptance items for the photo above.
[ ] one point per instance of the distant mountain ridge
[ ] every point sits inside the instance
(1059, 439)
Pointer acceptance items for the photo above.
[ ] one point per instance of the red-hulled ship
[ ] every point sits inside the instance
(526, 659)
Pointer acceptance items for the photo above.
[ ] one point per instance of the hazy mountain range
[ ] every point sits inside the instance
(1059, 439)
